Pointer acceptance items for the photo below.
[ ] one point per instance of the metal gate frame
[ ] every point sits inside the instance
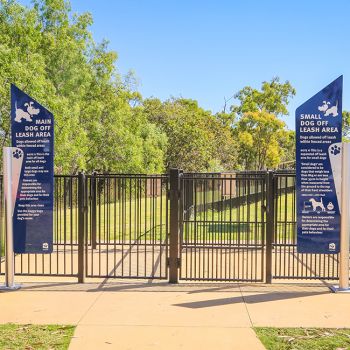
(234, 252)
(82, 216)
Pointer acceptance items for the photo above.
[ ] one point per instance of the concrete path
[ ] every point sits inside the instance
(138, 315)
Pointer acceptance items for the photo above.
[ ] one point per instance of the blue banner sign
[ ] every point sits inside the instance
(32, 128)
(318, 170)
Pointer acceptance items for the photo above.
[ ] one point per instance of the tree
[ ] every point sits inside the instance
(346, 126)
(272, 98)
(49, 53)
(263, 139)
(197, 140)
(258, 134)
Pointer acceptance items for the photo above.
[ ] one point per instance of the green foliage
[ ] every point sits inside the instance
(287, 145)
(263, 139)
(304, 338)
(259, 134)
(197, 140)
(50, 54)
(101, 121)
(14, 336)
(346, 126)
(272, 98)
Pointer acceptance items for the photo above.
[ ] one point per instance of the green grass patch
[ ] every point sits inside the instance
(145, 219)
(38, 337)
(304, 338)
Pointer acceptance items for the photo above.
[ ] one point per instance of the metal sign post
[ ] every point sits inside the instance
(9, 255)
(344, 231)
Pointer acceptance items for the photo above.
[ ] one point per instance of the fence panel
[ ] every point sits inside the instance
(127, 226)
(287, 263)
(63, 260)
(223, 228)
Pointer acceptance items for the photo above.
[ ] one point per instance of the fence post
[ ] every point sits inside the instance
(174, 259)
(93, 203)
(270, 223)
(81, 227)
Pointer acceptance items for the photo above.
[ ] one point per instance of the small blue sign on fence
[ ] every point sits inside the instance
(32, 128)
(318, 170)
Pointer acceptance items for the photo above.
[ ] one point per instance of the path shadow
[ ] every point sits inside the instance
(249, 299)
(89, 287)
(262, 292)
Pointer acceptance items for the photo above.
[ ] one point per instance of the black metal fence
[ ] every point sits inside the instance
(127, 232)
(287, 263)
(237, 226)
(64, 259)
(222, 234)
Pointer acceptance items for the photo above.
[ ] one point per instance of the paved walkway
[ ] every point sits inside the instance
(136, 315)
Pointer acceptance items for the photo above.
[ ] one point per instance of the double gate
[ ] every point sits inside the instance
(238, 226)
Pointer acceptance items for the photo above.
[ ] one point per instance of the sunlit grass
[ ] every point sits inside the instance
(39, 337)
(146, 219)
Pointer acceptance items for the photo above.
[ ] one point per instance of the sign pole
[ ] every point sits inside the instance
(9, 256)
(344, 231)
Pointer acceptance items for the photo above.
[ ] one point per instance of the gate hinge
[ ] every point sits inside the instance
(178, 262)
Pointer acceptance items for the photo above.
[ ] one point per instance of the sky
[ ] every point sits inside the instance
(209, 50)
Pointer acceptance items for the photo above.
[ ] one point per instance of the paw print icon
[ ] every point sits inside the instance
(335, 150)
(17, 154)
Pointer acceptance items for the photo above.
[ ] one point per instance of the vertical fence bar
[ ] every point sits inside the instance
(270, 216)
(93, 203)
(174, 225)
(81, 227)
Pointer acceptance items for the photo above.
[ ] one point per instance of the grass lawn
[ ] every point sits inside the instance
(35, 337)
(304, 338)
(145, 219)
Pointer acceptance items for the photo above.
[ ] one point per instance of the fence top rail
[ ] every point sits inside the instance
(66, 176)
(285, 173)
(233, 172)
(220, 176)
(236, 178)
(128, 176)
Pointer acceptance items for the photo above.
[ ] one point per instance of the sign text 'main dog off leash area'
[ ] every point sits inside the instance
(318, 170)
(32, 129)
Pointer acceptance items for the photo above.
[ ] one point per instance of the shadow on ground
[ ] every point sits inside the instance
(250, 299)
(241, 293)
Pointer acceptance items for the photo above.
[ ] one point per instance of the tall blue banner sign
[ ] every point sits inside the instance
(32, 129)
(318, 170)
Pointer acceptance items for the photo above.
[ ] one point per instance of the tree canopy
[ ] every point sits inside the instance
(197, 140)
(51, 55)
(263, 138)
(272, 98)
(102, 122)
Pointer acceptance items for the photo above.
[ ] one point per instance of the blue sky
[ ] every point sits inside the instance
(208, 50)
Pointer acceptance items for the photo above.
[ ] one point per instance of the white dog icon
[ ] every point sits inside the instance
(316, 204)
(329, 110)
(27, 115)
